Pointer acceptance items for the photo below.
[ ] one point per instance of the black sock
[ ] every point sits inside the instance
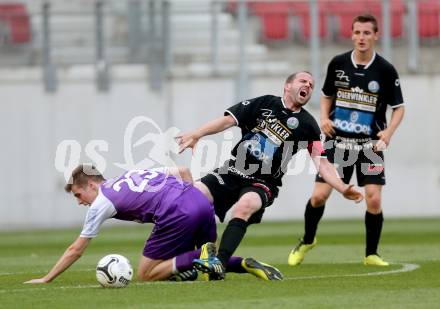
(373, 229)
(231, 238)
(312, 216)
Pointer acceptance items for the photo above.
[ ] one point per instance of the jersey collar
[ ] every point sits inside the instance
(284, 105)
(368, 64)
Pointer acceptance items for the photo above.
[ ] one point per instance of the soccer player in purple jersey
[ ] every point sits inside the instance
(183, 221)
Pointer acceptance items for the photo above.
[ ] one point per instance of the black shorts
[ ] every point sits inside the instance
(348, 154)
(226, 189)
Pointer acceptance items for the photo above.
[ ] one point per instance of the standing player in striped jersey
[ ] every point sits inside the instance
(358, 87)
(183, 220)
(273, 130)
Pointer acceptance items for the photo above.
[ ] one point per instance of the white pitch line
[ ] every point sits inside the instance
(407, 267)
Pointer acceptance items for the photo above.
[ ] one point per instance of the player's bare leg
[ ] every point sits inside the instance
(204, 189)
(151, 270)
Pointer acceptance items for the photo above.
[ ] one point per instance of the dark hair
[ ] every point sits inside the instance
(292, 76)
(366, 18)
(81, 174)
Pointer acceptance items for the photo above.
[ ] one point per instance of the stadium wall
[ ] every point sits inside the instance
(91, 127)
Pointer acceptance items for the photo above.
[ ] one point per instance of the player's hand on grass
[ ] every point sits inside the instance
(187, 140)
(352, 194)
(328, 127)
(37, 281)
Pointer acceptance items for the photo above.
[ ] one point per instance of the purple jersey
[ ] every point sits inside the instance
(143, 195)
(183, 217)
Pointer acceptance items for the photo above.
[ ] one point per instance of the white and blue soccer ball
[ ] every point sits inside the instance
(114, 271)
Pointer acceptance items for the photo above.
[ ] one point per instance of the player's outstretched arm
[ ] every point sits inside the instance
(72, 253)
(190, 139)
(330, 175)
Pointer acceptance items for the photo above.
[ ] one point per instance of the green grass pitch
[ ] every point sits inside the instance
(331, 276)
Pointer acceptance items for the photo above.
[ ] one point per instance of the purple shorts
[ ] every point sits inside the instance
(189, 223)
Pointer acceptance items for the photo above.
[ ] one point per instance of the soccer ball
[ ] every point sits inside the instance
(114, 271)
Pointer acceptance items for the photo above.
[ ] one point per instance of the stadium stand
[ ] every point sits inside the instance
(346, 10)
(287, 22)
(274, 18)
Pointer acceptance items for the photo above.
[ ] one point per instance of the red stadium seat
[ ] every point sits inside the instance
(302, 11)
(274, 16)
(347, 10)
(275, 27)
(274, 19)
(16, 18)
(429, 18)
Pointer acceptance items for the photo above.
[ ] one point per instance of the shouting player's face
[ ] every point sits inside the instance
(85, 195)
(363, 36)
(300, 89)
